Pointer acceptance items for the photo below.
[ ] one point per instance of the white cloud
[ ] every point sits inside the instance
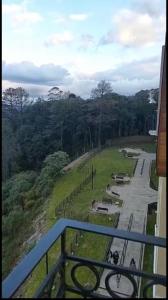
(65, 37)
(153, 8)
(31, 17)
(27, 72)
(10, 8)
(32, 89)
(130, 87)
(145, 69)
(18, 14)
(61, 18)
(86, 41)
(125, 79)
(81, 87)
(134, 29)
(78, 17)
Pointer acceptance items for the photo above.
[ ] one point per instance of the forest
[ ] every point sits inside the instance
(39, 138)
(31, 131)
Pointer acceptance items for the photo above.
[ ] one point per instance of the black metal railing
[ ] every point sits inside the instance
(142, 250)
(56, 276)
(122, 258)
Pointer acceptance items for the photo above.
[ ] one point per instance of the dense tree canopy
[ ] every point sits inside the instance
(71, 125)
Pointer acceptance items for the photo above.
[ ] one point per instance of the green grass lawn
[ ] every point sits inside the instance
(106, 162)
(154, 179)
(148, 147)
(91, 246)
(149, 252)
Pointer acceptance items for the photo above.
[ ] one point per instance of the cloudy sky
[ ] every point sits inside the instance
(74, 44)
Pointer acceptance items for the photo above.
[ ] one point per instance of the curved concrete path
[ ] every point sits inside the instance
(136, 196)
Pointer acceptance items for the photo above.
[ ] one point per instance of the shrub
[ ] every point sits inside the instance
(15, 189)
(53, 165)
(29, 204)
(12, 222)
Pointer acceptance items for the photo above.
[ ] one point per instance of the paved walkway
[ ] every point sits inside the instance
(136, 196)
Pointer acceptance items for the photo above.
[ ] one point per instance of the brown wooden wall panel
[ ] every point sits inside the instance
(161, 141)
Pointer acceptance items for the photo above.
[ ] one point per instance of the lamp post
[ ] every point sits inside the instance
(92, 176)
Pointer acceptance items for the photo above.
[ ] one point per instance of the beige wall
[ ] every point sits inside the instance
(160, 253)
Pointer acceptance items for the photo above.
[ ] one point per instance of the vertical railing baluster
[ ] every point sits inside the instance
(63, 253)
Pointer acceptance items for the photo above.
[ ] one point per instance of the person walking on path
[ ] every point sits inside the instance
(110, 255)
(133, 264)
(115, 257)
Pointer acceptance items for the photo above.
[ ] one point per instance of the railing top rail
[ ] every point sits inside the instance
(118, 233)
(30, 261)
